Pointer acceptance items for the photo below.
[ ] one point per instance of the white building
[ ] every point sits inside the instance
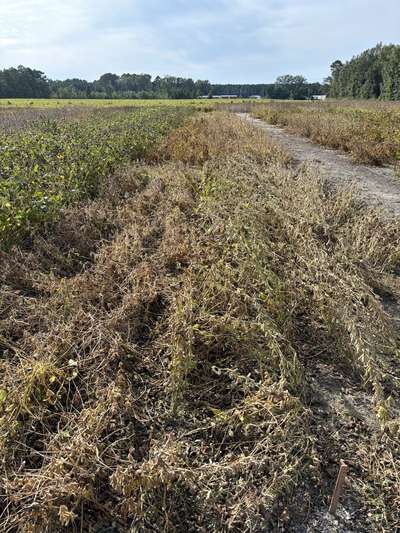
(226, 96)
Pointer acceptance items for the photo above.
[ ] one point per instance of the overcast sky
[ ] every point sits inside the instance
(220, 40)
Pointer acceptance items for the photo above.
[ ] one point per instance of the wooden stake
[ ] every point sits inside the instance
(338, 487)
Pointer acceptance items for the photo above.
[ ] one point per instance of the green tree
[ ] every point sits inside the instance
(375, 73)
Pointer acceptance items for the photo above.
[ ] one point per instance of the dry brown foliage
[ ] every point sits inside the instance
(205, 138)
(369, 131)
(158, 346)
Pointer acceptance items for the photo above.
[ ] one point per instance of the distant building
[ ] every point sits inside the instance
(226, 96)
(318, 97)
(255, 96)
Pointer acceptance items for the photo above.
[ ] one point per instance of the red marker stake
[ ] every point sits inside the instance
(338, 487)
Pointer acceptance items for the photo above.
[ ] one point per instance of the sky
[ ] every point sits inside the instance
(243, 41)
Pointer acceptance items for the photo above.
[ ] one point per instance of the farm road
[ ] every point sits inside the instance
(378, 185)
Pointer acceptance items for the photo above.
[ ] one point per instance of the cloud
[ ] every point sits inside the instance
(222, 40)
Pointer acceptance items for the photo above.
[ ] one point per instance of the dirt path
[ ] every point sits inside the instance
(377, 184)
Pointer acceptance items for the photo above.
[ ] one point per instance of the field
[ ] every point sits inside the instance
(369, 131)
(53, 102)
(192, 330)
(56, 162)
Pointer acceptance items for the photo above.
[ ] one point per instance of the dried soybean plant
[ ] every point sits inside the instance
(158, 343)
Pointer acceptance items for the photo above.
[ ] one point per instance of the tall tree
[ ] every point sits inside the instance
(375, 73)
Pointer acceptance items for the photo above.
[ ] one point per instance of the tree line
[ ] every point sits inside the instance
(374, 73)
(23, 82)
(285, 87)
(130, 86)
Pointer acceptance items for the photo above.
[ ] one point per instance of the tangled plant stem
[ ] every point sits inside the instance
(166, 338)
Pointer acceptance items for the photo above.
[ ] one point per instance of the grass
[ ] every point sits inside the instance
(164, 346)
(369, 131)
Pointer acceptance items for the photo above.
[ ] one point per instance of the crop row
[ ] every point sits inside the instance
(56, 162)
(7, 103)
(370, 132)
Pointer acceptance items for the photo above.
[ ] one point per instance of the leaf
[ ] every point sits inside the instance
(3, 396)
